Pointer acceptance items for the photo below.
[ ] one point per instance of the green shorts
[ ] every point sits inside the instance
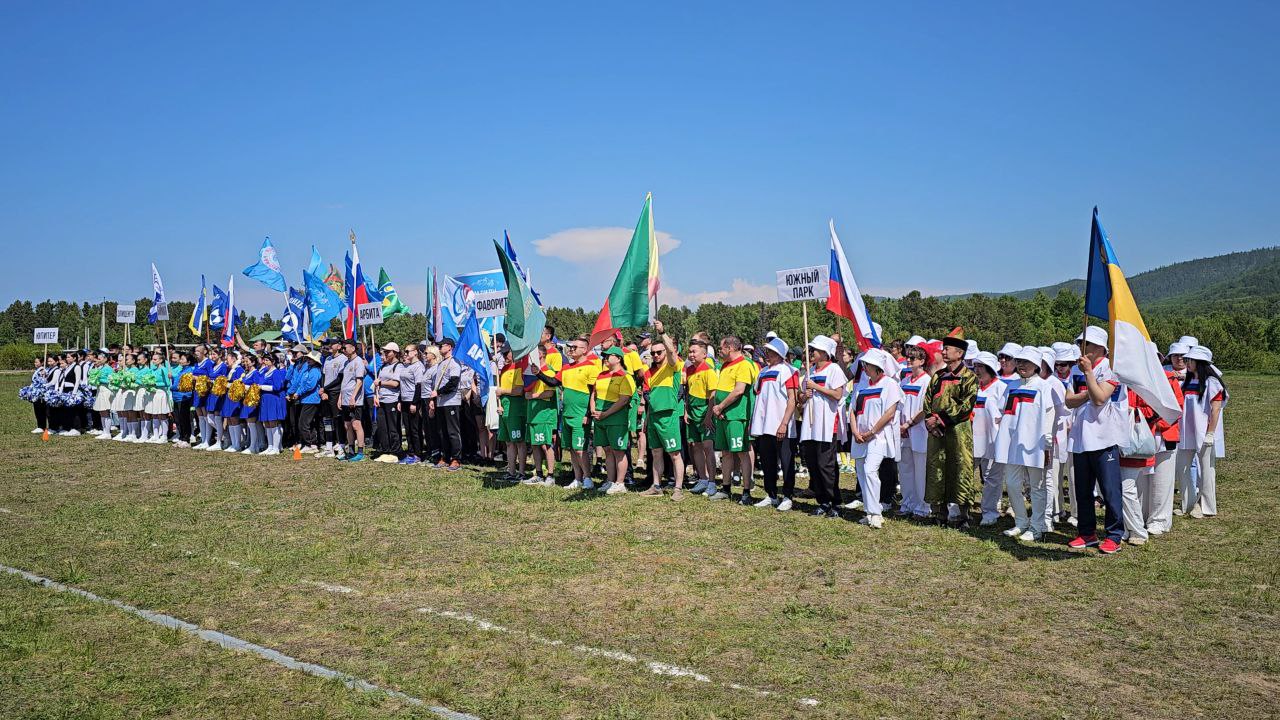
(573, 436)
(541, 412)
(617, 437)
(511, 428)
(731, 435)
(633, 422)
(541, 433)
(663, 431)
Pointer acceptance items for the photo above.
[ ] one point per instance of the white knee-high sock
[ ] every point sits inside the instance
(277, 436)
(219, 430)
(106, 425)
(253, 437)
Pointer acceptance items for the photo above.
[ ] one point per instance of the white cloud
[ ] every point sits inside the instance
(592, 245)
(739, 293)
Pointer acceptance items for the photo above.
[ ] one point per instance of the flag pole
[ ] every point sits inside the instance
(102, 328)
(804, 305)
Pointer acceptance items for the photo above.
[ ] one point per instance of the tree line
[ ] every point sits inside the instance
(1240, 339)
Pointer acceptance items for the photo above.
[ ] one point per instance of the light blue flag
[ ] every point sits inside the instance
(316, 266)
(267, 269)
(470, 351)
(291, 322)
(323, 304)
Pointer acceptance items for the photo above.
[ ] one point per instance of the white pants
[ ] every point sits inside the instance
(1052, 493)
(1208, 494)
(992, 474)
(911, 480)
(868, 470)
(1156, 492)
(1018, 477)
(1132, 503)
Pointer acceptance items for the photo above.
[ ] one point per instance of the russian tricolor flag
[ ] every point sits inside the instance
(845, 299)
(357, 289)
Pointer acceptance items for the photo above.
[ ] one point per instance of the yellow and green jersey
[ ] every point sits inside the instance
(610, 387)
(577, 380)
(738, 370)
(701, 380)
(664, 388)
(551, 364)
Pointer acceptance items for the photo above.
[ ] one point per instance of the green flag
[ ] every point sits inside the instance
(628, 303)
(525, 319)
(391, 305)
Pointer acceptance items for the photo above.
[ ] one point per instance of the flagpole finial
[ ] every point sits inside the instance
(352, 234)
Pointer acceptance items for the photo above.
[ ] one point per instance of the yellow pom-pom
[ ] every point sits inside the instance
(252, 396)
(220, 386)
(202, 385)
(235, 392)
(185, 383)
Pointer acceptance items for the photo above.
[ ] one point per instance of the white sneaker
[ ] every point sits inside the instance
(38, 431)
(875, 521)
(71, 433)
(1030, 536)
(575, 485)
(717, 495)
(853, 505)
(270, 451)
(616, 489)
(766, 502)
(785, 505)
(183, 444)
(1071, 521)
(212, 448)
(311, 449)
(548, 481)
(105, 437)
(136, 439)
(247, 451)
(531, 480)
(587, 484)
(161, 440)
(122, 438)
(1013, 532)
(201, 446)
(231, 449)
(607, 486)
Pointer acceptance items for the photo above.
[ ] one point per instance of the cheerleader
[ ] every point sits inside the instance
(252, 437)
(159, 404)
(41, 375)
(914, 438)
(272, 409)
(200, 394)
(1024, 444)
(122, 403)
(100, 375)
(1202, 434)
(218, 381)
(232, 402)
(70, 414)
(988, 408)
(875, 429)
(181, 386)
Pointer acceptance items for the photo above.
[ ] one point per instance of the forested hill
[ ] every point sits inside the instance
(1242, 277)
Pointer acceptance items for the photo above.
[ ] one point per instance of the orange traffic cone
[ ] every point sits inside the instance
(45, 435)
(297, 452)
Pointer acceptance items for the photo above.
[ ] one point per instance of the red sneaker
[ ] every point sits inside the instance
(1083, 541)
(1109, 547)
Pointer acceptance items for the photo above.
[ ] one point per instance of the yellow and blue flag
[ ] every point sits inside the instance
(200, 313)
(1134, 358)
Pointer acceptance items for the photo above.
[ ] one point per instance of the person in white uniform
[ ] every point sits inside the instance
(1204, 399)
(1058, 455)
(914, 435)
(875, 429)
(1024, 444)
(987, 410)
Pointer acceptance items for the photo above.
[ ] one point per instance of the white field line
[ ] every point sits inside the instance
(231, 642)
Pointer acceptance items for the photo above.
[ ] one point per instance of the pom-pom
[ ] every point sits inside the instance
(220, 386)
(202, 385)
(185, 383)
(235, 391)
(252, 396)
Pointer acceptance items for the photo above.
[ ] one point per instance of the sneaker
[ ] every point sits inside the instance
(587, 484)
(1178, 511)
(105, 437)
(549, 481)
(231, 449)
(1029, 536)
(875, 521)
(617, 489)
(717, 495)
(1135, 540)
(1014, 531)
(766, 502)
(607, 486)
(785, 505)
(902, 511)
(358, 457)
(1081, 541)
(454, 466)
(38, 431)
(181, 443)
(532, 480)
(406, 460)
(820, 511)
(1071, 521)
(575, 485)
(853, 505)
(72, 433)
(270, 451)
(677, 495)
(441, 465)
(653, 491)
(988, 522)
(247, 451)
(1109, 547)
(1196, 512)
(213, 448)
(832, 514)
(698, 487)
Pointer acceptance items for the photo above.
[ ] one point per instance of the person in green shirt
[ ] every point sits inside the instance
(663, 413)
(615, 388)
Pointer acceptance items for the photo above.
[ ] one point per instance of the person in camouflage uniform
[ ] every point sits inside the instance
(948, 407)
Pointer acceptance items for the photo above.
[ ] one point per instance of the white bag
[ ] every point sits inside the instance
(1142, 442)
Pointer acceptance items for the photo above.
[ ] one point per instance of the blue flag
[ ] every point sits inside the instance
(291, 328)
(470, 351)
(323, 304)
(200, 313)
(219, 309)
(267, 269)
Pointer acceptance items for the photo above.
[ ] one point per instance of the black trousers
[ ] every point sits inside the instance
(293, 416)
(182, 416)
(888, 481)
(307, 415)
(412, 420)
(41, 410)
(824, 471)
(774, 455)
(331, 419)
(370, 418)
(467, 428)
(449, 429)
(389, 427)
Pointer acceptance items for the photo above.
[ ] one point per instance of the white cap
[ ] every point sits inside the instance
(1093, 335)
(878, 358)
(1179, 348)
(915, 340)
(825, 344)
(1048, 357)
(392, 347)
(972, 351)
(1070, 353)
(1010, 350)
(1060, 345)
(1044, 348)
(1030, 354)
(991, 361)
(1200, 353)
(1189, 341)
(770, 335)
(777, 345)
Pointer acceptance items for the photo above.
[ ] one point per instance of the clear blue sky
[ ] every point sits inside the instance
(959, 146)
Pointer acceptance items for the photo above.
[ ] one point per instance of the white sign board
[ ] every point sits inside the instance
(369, 313)
(126, 314)
(46, 336)
(491, 304)
(806, 283)
(162, 312)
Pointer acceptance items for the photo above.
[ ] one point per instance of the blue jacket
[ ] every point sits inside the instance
(306, 385)
(178, 372)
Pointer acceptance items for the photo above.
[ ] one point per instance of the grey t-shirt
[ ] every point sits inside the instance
(389, 394)
(333, 369)
(447, 370)
(410, 377)
(353, 381)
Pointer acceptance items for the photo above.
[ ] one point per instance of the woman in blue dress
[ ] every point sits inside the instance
(250, 430)
(231, 406)
(273, 381)
(213, 401)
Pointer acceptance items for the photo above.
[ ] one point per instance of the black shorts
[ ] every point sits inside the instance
(351, 414)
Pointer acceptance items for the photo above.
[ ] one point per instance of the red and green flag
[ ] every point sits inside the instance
(629, 304)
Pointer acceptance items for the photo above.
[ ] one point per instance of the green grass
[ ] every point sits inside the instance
(908, 622)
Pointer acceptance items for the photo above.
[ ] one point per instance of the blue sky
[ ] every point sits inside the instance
(959, 146)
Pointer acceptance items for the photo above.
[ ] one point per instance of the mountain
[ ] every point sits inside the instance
(1249, 279)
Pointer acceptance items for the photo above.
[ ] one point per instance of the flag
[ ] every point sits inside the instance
(470, 351)
(322, 303)
(229, 327)
(291, 325)
(433, 307)
(200, 313)
(845, 299)
(1134, 358)
(636, 284)
(357, 289)
(334, 281)
(456, 300)
(391, 305)
(316, 263)
(267, 269)
(157, 300)
(218, 309)
(511, 253)
(525, 318)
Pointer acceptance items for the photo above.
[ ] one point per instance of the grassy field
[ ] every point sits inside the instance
(586, 591)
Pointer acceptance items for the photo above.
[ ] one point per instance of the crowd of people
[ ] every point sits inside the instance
(934, 431)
